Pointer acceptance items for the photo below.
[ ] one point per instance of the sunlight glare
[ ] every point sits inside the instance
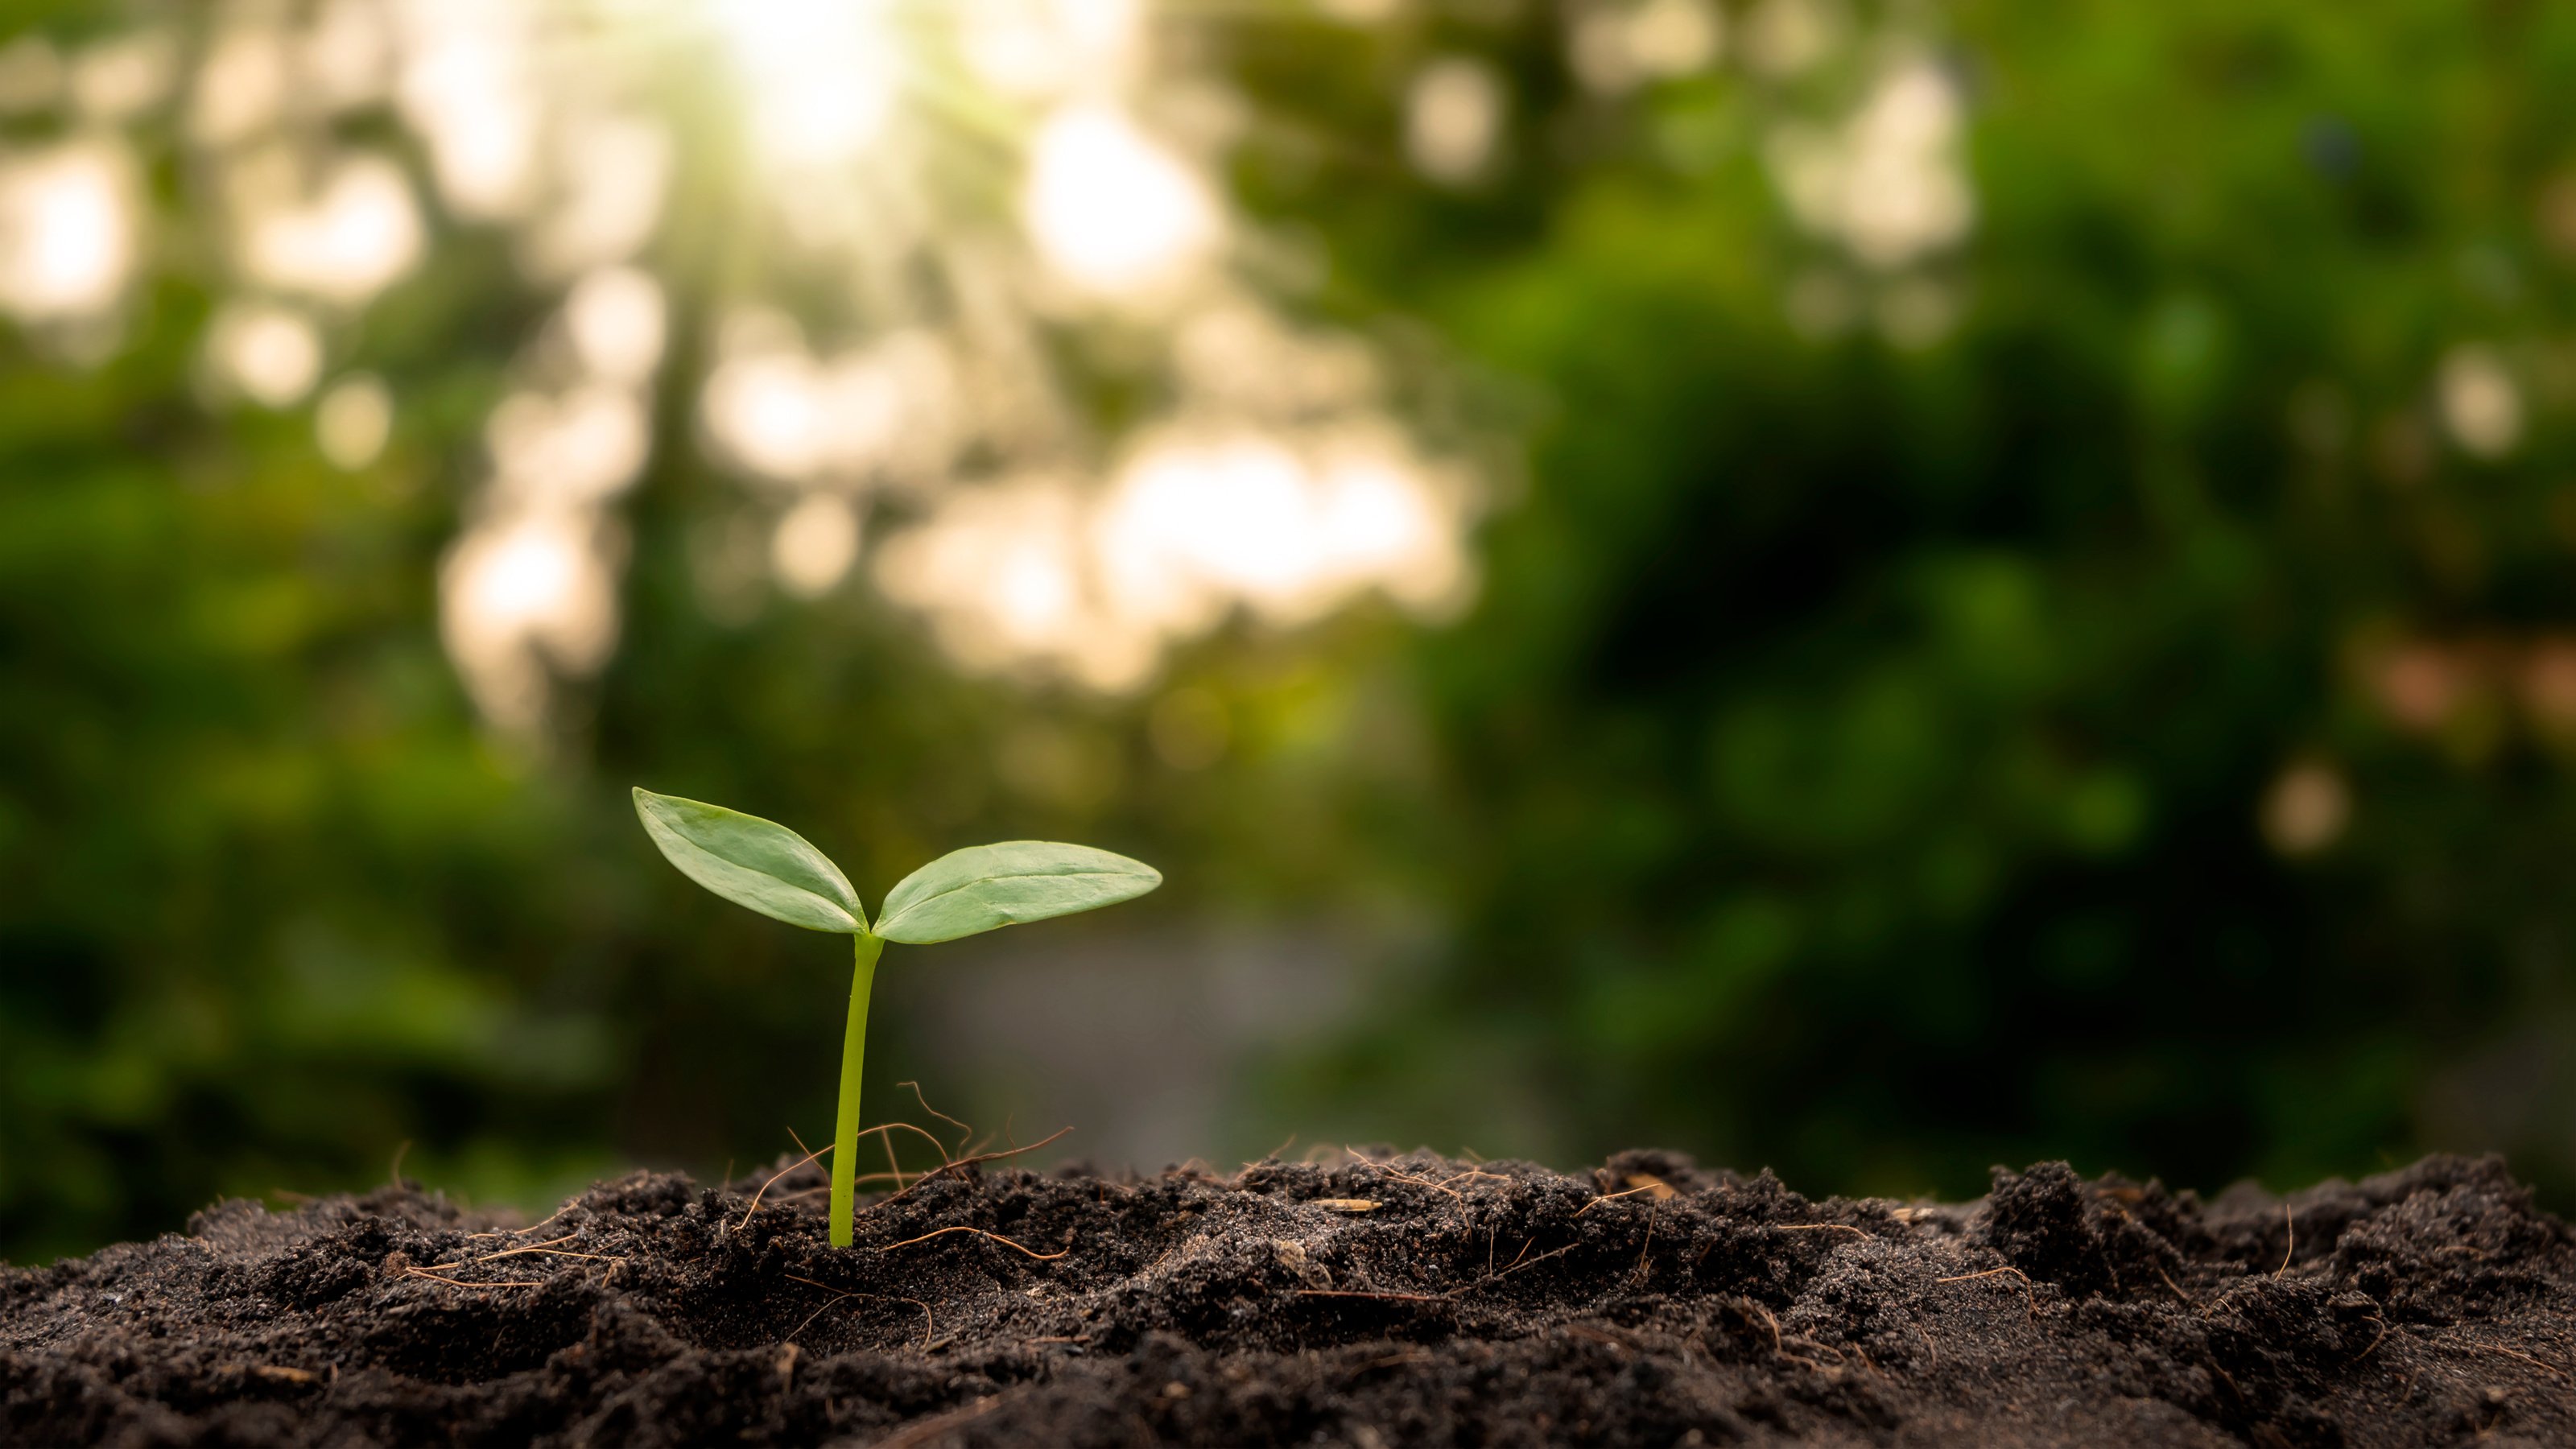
(1004, 575)
(1113, 210)
(467, 86)
(1890, 182)
(357, 236)
(774, 408)
(890, 335)
(267, 353)
(818, 75)
(1041, 575)
(763, 411)
(67, 229)
(612, 175)
(1381, 524)
(523, 594)
(1043, 48)
(580, 448)
(615, 318)
(1191, 525)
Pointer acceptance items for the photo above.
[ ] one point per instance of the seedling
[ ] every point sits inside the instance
(773, 870)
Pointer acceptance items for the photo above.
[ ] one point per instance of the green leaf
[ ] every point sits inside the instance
(984, 886)
(752, 862)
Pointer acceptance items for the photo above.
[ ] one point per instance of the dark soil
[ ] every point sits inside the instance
(1377, 1301)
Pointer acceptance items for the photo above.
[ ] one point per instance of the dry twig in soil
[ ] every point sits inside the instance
(979, 1232)
(2027, 1289)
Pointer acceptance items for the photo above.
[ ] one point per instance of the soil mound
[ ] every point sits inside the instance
(1381, 1300)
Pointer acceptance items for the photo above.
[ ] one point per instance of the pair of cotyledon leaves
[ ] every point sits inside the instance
(773, 870)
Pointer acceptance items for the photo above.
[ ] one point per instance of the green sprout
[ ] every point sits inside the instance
(773, 870)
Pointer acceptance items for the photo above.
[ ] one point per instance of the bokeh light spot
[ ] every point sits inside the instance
(1111, 208)
(353, 422)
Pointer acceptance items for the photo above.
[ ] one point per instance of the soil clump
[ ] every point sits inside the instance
(1374, 1300)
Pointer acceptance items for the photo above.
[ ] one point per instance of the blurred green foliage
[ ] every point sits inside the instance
(1854, 763)
(1859, 749)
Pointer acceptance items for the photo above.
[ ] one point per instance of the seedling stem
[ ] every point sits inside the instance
(854, 1054)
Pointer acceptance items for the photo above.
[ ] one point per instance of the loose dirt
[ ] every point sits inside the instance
(1376, 1300)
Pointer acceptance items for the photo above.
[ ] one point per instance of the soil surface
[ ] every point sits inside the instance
(1375, 1300)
